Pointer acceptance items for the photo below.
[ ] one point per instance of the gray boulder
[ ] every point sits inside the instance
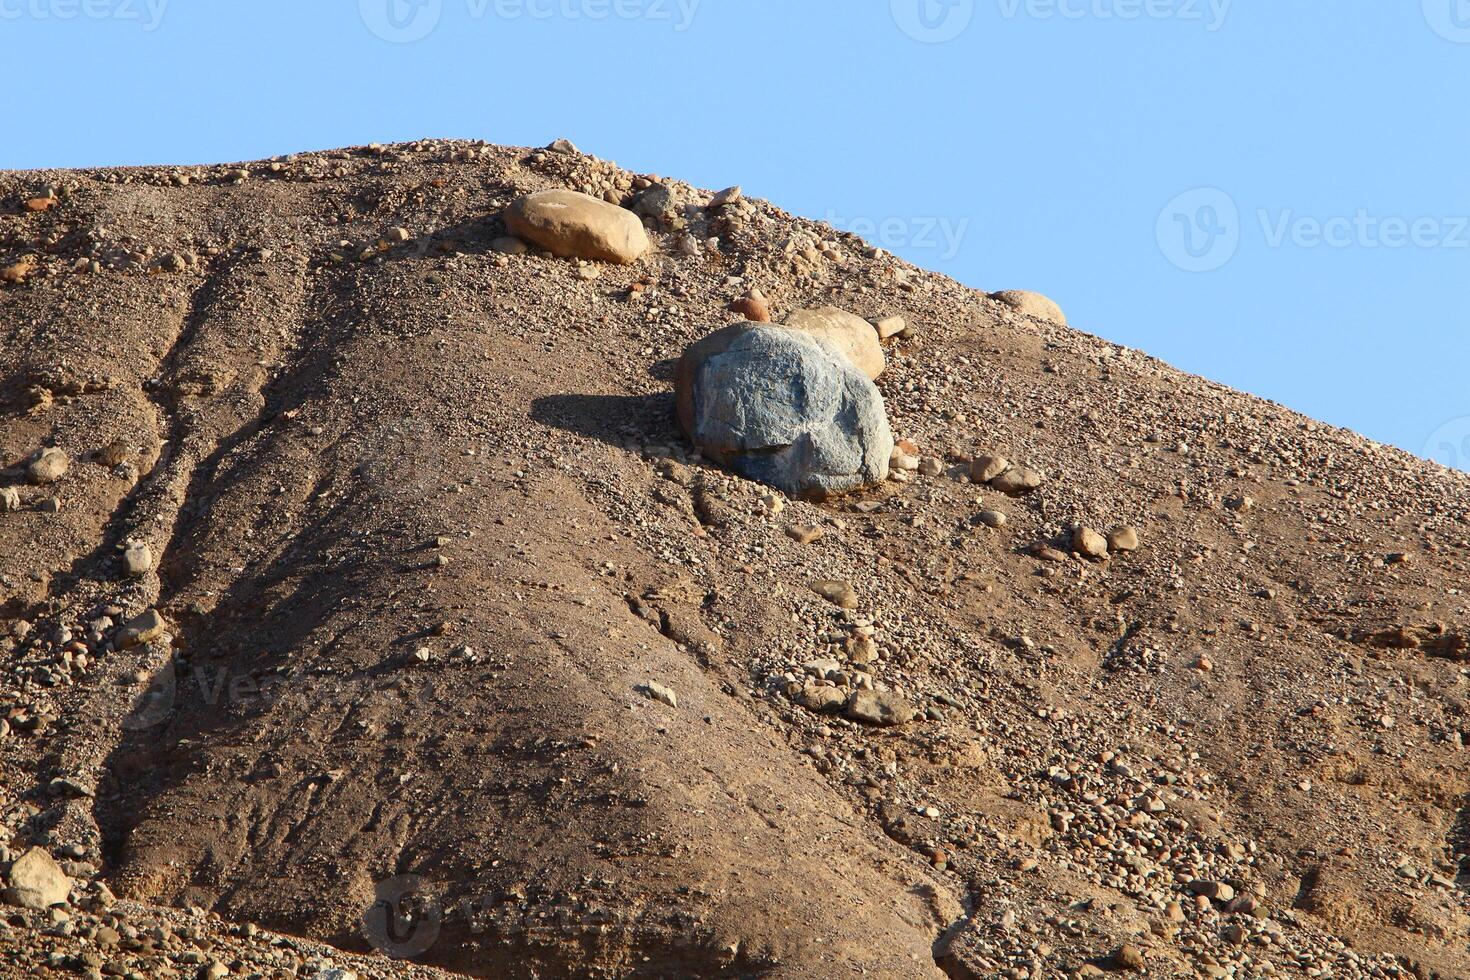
(784, 408)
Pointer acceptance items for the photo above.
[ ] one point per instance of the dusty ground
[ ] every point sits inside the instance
(423, 530)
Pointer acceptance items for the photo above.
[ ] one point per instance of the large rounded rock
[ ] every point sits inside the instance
(576, 226)
(1031, 304)
(36, 881)
(48, 466)
(784, 408)
(851, 334)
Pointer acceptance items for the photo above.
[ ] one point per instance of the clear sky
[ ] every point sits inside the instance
(1271, 193)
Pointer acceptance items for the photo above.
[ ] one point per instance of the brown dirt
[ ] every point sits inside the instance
(425, 531)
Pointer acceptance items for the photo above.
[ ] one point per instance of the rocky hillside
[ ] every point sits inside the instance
(361, 588)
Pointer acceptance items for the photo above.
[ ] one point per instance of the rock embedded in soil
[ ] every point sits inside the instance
(726, 197)
(900, 460)
(143, 629)
(575, 226)
(1018, 481)
(9, 499)
(659, 692)
(803, 533)
(890, 326)
(1128, 957)
(36, 881)
(986, 467)
(508, 245)
(851, 334)
(883, 709)
(1031, 304)
(137, 559)
(783, 408)
(1089, 544)
(653, 202)
(1124, 538)
(821, 699)
(49, 466)
(837, 592)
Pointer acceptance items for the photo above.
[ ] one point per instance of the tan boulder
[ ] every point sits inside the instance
(1018, 481)
(883, 709)
(851, 334)
(1124, 538)
(48, 466)
(36, 881)
(143, 629)
(987, 467)
(837, 592)
(1089, 544)
(1031, 304)
(890, 326)
(576, 226)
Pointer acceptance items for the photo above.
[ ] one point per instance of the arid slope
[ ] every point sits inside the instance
(424, 532)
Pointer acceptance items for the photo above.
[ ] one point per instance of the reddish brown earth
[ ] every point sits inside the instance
(424, 532)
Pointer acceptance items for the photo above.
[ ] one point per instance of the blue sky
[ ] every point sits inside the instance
(1273, 193)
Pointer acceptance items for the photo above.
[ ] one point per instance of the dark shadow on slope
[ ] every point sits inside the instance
(613, 419)
(1460, 845)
